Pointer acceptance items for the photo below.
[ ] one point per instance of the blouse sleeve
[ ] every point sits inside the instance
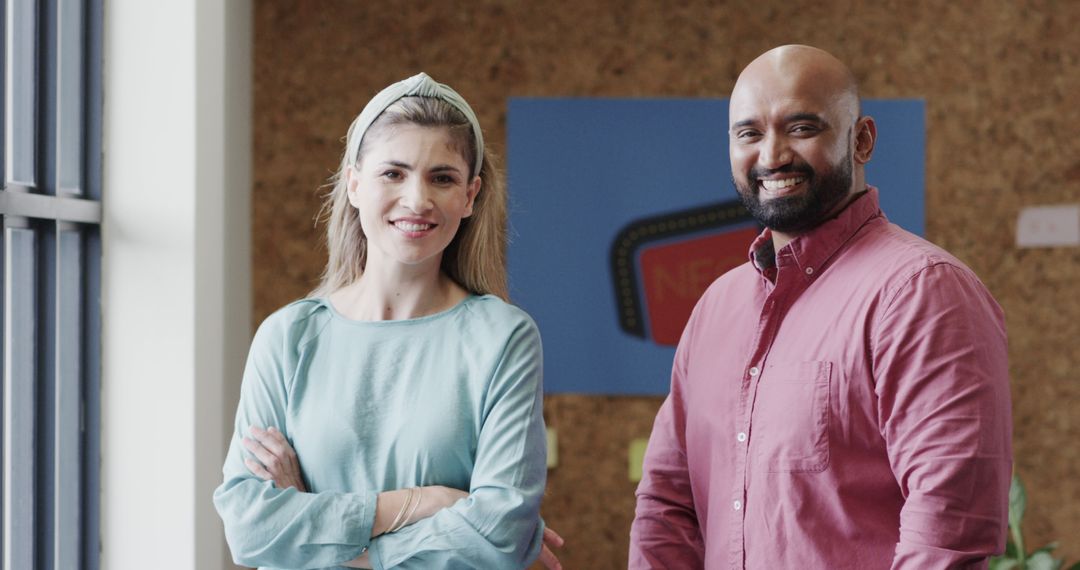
(266, 525)
(498, 525)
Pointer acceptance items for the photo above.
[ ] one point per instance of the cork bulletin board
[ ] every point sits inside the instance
(998, 78)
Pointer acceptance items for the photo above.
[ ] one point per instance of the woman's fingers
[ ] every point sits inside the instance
(272, 449)
(268, 459)
(552, 538)
(257, 469)
(276, 459)
(548, 559)
(274, 442)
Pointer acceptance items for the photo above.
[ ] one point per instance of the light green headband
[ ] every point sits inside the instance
(419, 85)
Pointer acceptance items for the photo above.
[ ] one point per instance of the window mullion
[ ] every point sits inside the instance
(20, 101)
(45, 425)
(20, 351)
(69, 98)
(68, 436)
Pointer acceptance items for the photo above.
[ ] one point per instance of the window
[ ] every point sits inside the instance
(50, 250)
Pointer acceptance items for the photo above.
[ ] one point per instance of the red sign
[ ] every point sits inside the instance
(675, 275)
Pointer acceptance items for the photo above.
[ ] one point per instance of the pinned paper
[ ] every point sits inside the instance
(637, 457)
(552, 448)
(1049, 226)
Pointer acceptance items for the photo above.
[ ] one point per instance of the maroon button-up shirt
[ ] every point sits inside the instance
(842, 403)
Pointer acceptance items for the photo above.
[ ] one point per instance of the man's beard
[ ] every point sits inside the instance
(794, 214)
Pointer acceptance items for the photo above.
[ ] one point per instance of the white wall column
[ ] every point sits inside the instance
(176, 273)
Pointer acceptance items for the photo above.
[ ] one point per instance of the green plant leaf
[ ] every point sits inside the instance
(1017, 504)
(1017, 501)
(1043, 561)
(1001, 563)
(1048, 548)
(1075, 566)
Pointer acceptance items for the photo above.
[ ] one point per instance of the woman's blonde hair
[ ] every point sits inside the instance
(476, 256)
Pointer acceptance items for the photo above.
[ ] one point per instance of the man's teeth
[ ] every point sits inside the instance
(410, 227)
(780, 184)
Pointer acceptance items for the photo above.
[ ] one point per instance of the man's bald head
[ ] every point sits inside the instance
(798, 142)
(802, 68)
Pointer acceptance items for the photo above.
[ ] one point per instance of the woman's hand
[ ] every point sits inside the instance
(547, 557)
(277, 461)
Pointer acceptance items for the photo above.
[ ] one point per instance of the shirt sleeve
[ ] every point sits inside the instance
(665, 532)
(266, 525)
(498, 525)
(941, 370)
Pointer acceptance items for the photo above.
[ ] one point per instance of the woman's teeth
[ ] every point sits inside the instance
(411, 227)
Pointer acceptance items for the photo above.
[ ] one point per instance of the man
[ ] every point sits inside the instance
(842, 400)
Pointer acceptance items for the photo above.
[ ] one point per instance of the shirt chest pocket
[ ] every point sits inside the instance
(790, 422)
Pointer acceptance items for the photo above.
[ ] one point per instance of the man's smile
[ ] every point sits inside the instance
(778, 187)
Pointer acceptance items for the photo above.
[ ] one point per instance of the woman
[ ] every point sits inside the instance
(405, 378)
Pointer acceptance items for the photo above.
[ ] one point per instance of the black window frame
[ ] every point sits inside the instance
(50, 283)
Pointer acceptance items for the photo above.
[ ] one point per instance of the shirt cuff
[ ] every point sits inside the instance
(375, 556)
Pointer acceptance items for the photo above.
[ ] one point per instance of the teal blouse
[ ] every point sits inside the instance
(452, 399)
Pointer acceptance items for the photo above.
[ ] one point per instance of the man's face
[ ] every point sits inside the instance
(791, 148)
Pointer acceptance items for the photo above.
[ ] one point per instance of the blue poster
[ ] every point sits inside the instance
(622, 211)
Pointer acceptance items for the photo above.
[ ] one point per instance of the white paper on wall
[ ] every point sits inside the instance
(1049, 226)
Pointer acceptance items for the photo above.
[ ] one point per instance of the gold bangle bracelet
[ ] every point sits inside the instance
(412, 511)
(401, 513)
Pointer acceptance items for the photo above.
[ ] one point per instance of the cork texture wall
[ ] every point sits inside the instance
(999, 80)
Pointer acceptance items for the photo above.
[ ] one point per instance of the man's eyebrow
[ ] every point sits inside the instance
(813, 117)
(792, 118)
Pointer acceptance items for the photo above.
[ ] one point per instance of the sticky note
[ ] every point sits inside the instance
(1049, 226)
(552, 448)
(637, 457)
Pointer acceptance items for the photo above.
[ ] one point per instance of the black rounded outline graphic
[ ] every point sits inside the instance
(664, 226)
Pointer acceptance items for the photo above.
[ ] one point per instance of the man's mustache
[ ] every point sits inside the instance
(759, 173)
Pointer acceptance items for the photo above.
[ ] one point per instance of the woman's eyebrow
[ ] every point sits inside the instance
(397, 164)
(446, 168)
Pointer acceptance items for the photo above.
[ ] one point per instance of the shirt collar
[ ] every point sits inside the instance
(809, 251)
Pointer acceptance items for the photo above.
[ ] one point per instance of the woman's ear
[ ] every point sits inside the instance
(470, 195)
(352, 183)
(865, 137)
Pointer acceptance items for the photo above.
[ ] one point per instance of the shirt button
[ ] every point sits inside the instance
(754, 371)
(741, 437)
(809, 270)
(737, 505)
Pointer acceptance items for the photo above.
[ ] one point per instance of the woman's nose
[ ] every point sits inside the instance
(415, 195)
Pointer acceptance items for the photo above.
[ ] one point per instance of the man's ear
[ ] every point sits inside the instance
(470, 195)
(865, 137)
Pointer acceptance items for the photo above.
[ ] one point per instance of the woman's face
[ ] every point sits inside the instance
(412, 189)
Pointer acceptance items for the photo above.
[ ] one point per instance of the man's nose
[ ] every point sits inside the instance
(774, 152)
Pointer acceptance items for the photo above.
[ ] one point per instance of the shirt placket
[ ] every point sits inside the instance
(772, 313)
